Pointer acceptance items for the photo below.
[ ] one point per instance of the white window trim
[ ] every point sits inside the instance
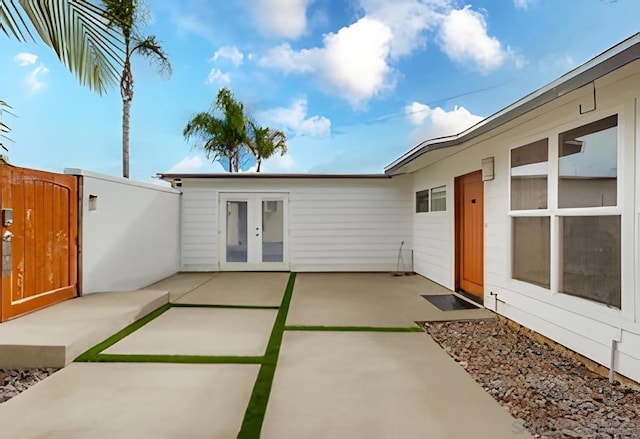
(429, 190)
(415, 202)
(624, 208)
(446, 204)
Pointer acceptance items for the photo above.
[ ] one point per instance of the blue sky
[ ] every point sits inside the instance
(353, 83)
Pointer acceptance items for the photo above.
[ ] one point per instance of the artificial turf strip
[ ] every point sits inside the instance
(191, 359)
(254, 416)
(353, 328)
(194, 305)
(93, 352)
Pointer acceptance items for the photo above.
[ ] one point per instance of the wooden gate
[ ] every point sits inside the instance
(39, 229)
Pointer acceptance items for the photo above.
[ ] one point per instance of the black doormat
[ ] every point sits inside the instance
(448, 302)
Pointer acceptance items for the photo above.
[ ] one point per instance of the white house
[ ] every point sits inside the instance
(535, 211)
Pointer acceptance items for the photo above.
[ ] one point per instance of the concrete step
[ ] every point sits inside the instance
(55, 336)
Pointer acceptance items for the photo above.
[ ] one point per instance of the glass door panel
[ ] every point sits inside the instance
(237, 242)
(272, 231)
(253, 231)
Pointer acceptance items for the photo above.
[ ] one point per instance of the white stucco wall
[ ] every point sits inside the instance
(336, 224)
(132, 238)
(585, 326)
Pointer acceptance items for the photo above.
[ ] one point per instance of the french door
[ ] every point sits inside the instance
(253, 231)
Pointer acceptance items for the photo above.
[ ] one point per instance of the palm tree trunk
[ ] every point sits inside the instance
(236, 159)
(126, 107)
(259, 160)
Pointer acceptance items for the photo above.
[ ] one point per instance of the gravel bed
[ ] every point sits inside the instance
(14, 381)
(548, 392)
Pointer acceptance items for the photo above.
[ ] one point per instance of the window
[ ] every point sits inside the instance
(531, 234)
(588, 165)
(422, 201)
(529, 169)
(439, 199)
(591, 258)
(531, 252)
(588, 243)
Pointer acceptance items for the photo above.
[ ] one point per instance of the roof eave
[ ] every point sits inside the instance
(603, 64)
(169, 176)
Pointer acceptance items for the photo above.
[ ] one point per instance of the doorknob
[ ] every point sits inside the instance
(7, 236)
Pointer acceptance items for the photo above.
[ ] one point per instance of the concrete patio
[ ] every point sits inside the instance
(348, 366)
(55, 336)
(369, 299)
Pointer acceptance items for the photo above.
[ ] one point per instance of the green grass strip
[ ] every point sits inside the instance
(90, 354)
(191, 359)
(194, 305)
(254, 416)
(353, 328)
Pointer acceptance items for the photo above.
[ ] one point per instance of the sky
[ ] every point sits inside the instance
(353, 83)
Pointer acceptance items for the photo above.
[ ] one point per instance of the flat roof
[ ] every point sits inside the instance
(608, 61)
(247, 175)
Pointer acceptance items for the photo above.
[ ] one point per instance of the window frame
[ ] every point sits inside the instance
(444, 190)
(423, 192)
(587, 307)
(428, 191)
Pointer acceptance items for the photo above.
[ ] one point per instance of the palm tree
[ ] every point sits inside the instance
(223, 137)
(125, 16)
(75, 30)
(264, 142)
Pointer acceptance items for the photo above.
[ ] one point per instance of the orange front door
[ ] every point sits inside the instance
(470, 234)
(38, 231)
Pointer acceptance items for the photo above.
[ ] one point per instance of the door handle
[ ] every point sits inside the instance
(7, 236)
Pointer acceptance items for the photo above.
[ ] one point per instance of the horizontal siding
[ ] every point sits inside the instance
(349, 227)
(199, 230)
(334, 224)
(584, 326)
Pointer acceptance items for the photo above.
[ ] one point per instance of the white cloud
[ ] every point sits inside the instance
(196, 164)
(216, 77)
(25, 59)
(275, 164)
(230, 53)
(352, 63)
(417, 112)
(522, 4)
(284, 58)
(356, 59)
(356, 62)
(192, 23)
(519, 61)
(556, 63)
(281, 18)
(33, 80)
(294, 118)
(436, 122)
(408, 21)
(464, 38)
(279, 163)
(189, 163)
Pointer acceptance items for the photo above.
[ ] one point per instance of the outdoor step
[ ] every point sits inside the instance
(55, 336)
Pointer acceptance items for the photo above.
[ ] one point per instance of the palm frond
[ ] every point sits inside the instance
(151, 49)
(12, 21)
(76, 30)
(4, 128)
(264, 141)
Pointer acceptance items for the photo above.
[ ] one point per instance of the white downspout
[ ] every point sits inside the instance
(617, 338)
